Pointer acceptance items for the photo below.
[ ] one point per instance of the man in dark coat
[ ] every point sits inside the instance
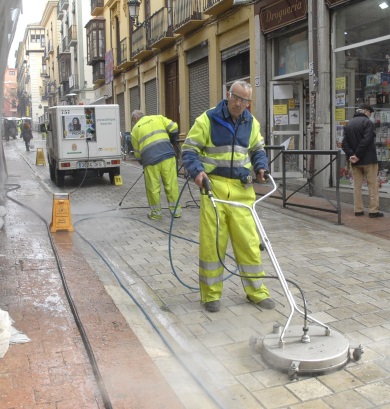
(359, 146)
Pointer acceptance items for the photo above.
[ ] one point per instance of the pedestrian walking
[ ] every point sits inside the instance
(43, 129)
(224, 144)
(27, 135)
(359, 146)
(153, 137)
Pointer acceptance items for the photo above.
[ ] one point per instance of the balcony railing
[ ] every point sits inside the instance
(97, 7)
(187, 15)
(161, 33)
(44, 72)
(74, 83)
(116, 54)
(65, 88)
(216, 7)
(60, 12)
(98, 75)
(62, 53)
(52, 88)
(125, 60)
(65, 46)
(64, 4)
(61, 93)
(139, 43)
(64, 73)
(72, 35)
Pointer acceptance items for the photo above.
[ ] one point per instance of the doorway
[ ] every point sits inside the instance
(287, 124)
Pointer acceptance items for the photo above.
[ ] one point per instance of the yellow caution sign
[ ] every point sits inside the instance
(118, 180)
(40, 158)
(62, 218)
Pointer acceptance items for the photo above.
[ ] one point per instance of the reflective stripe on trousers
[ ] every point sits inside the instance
(165, 171)
(238, 223)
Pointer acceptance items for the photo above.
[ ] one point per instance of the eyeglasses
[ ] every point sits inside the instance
(236, 98)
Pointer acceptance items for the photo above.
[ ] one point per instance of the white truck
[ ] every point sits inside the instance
(83, 138)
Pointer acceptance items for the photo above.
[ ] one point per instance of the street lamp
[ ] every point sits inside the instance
(134, 11)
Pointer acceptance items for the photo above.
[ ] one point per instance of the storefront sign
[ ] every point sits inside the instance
(282, 13)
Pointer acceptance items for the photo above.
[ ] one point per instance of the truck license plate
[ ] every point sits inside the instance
(92, 164)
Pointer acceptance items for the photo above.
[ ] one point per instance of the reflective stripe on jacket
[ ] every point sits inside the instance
(151, 140)
(217, 145)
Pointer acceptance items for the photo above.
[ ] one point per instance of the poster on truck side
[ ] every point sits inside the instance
(80, 126)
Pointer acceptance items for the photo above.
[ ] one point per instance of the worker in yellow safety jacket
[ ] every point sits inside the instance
(223, 145)
(153, 137)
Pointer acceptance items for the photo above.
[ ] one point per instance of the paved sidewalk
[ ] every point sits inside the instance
(141, 317)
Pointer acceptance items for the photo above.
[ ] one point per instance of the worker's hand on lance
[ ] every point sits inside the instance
(262, 175)
(199, 179)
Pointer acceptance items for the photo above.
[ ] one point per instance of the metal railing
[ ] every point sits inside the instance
(185, 10)
(286, 155)
(124, 54)
(72, 35)
(139, 40)
(159, 26)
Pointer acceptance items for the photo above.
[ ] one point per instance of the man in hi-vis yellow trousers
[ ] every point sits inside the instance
(223, 145)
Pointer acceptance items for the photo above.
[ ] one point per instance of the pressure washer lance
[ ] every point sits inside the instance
(140, 176)
(207, 187)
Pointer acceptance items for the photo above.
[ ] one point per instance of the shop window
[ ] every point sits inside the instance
(291, 53)
(360, 21)
(362, 74)
(237, 67)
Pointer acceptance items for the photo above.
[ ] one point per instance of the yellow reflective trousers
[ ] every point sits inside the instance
(166, 170)
(238, 224)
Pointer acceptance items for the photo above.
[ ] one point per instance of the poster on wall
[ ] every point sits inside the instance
(283, 91)
(74, 126)
(341, 83)
(340, 114)
(280, 119)
(339, 135)
(340, 99)
(293, 116)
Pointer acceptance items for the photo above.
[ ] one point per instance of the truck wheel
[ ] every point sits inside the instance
(114, 172)
(59, 178)
(51, 171)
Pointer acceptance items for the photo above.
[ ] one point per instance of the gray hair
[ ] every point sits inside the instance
(242, 84)
(137, 113)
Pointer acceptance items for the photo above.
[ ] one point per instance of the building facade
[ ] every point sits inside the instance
(75, 80)
(28, 64)
(9, 15)
(310, 64)
(10, 85)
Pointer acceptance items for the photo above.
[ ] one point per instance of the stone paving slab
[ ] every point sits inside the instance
(342, 270)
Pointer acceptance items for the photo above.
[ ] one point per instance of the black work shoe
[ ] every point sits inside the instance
(267, 303)
(374, 215)
(212, 306)
(359, 213)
